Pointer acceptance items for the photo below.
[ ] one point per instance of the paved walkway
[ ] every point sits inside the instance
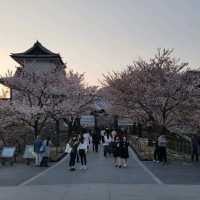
(102, 181)
(100, 170)
(18, 173)
(101, 192)
(176, 172)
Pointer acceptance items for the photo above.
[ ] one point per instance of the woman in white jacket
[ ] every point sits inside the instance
(82, 149)
(107, 144)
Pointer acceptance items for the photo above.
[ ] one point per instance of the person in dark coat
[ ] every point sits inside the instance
(156, 154)
(162, 145)
(74, 146)
(117, 151)
(96, 141)
(195, 148)
(124, 151)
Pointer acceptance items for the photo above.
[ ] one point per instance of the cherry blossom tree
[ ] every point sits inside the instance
(188, 114)
(70, 99)
(40, 97)
(152, 90)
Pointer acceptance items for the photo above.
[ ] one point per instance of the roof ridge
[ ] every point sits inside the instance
(37, 44)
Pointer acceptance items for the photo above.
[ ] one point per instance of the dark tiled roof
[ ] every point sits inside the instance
(37, 50)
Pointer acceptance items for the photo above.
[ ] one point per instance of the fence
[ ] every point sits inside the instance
(179, 147)
(141, 147)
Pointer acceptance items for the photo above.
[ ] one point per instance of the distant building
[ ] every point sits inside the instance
(38, 59)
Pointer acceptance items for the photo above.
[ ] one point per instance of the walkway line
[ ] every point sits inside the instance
(42, 173)
(153, 176)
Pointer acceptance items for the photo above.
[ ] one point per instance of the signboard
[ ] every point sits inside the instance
(125, 122)
(87, 121)
(5, 92)
(8, 152)
(29, 152)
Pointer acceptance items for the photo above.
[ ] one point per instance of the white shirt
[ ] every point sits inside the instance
(86, 138)
(162, 141)
(102, 132)
(82, 146)
(107, 141)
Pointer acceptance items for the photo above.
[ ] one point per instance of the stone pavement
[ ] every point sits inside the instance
(100, 170)
(103, 181)
(176, 172)
(16, 174)
(101, 192)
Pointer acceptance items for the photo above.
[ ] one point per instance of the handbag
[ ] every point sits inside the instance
(68, 148)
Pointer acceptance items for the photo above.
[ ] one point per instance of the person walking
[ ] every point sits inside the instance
(77, 155)
(37, 150)
(124, 151)
(107, 144)
(46, 152)
(117, 151)
(82, 149)
(156, 154)
(87, 139)
(195, 148)
(74, 145)
(113, 134)
(162, 144)
(102, 135)
(95, 141)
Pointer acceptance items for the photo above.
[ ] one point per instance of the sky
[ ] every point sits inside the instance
(98, 36)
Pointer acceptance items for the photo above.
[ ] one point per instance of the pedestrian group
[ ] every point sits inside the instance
(114, 143)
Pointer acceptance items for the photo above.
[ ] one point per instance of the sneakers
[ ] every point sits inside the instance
(72, 169)
(125, 165)
(82, 167)
(85, 167)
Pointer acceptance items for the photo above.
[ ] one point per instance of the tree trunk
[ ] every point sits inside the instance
(36, 128)
(57, 135)
(3, 139)
(57, 132)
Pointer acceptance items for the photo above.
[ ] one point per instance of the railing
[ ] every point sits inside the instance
(179, 147)
(140, 145)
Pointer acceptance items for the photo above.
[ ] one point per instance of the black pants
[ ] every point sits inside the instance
(156, 154)
(163, 154)
(195, 155)
(44, 162)
(83, 156)
(72, 159)
(77, 158)
(107, 150)
(95, 147)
